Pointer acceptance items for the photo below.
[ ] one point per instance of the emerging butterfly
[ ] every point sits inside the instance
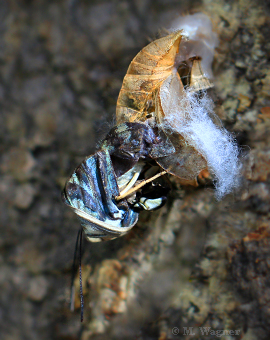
(162, 119)
(101, 189)
(109, 189)
(164, 125)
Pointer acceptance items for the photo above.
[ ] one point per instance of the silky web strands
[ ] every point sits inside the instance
(188, 112)
(188, 115)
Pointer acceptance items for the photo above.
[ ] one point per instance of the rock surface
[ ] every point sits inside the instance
(196, 262)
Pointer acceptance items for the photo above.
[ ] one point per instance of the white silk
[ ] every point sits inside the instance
(188, 114)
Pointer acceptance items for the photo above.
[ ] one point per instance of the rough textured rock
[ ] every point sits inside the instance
(196, 262)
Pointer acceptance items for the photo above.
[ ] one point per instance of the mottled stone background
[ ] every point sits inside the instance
(196, 262)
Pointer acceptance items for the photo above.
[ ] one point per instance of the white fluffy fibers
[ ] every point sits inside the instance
(187, 113)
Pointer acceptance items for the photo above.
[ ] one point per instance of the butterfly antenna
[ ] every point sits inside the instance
(80, 272)
(74, 271)
(77, 255)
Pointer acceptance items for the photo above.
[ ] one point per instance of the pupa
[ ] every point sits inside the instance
(165, 87)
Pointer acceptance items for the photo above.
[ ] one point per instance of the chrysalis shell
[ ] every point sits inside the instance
(151, 66)
(198, 81)
(139, 100)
